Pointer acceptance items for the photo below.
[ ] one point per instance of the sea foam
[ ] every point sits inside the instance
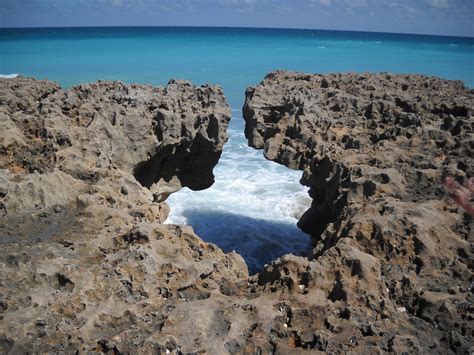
(9, 76)
(252, 207)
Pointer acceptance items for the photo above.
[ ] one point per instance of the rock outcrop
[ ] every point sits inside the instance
(87, 265)
(392, 263)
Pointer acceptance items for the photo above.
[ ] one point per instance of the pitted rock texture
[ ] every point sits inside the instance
(392, 255)
(169, 137)
(86, 263)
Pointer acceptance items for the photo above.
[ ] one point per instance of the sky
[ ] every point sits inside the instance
(440, 17)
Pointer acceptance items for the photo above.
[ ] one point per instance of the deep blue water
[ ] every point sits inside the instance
(254, 204)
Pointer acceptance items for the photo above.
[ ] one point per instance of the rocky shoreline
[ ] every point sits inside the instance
(87, 264)
(395, 252)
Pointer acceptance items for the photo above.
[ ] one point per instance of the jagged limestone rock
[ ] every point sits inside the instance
(373, 149)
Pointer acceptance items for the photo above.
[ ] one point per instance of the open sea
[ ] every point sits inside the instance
(254, 204)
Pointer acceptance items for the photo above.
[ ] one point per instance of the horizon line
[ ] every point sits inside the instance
(238, 27)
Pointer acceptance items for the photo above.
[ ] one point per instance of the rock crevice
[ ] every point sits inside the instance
(87, 265)
(373, 149)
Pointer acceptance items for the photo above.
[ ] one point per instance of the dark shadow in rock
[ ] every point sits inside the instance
(60, 222)
(259, 241)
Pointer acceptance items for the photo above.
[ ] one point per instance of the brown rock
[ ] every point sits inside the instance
(388, 242)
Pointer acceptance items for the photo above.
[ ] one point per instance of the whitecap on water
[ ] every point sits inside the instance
(9, 76)
(252, 207)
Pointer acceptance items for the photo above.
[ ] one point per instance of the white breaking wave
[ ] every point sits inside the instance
(9, 76)
(252, 207)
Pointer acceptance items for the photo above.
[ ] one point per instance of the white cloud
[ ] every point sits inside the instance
(238, 2)
(117, 3)
(242, 5)
(316, 3)
(348, 4)
(440, 4)
(404, 10)
(355, 3)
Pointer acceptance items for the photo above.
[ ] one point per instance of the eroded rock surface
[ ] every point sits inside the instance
(391, 268)
(86, 263)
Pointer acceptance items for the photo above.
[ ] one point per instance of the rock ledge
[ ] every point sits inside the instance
(373, 149)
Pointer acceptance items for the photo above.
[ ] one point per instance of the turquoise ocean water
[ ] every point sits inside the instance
(254, 204)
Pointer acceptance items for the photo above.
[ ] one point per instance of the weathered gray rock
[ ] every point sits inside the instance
(86, 264)
(373, 149)
(168, 137)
